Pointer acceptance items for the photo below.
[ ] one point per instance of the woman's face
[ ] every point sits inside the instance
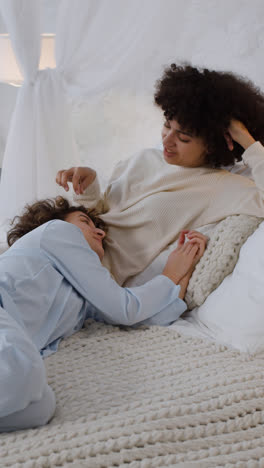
(94, 236)
(180, 147)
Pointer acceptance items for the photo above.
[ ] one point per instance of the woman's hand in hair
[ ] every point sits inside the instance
(81, 178)
(239, 133)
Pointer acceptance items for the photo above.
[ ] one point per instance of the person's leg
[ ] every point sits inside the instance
(35, 414)
(22, 379)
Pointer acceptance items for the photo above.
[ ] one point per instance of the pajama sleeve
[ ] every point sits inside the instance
(156, 301)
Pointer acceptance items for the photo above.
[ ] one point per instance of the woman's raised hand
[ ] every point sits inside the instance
(239, 133)
(182, 260)
(81, 178)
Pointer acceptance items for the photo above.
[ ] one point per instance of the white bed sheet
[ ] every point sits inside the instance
(189, 325)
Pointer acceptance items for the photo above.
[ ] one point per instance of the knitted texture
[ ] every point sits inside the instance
(220, 256)
(146, 398)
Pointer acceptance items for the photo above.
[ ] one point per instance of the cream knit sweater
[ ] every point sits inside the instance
(148, 202)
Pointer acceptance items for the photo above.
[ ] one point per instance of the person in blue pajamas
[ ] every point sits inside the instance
(51, 281)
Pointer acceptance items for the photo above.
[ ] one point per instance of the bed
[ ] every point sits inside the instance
(191, 395)
(188, 395)
(151, 397)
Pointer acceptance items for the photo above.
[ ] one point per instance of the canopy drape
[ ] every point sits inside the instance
(40, 140)
(104, 44)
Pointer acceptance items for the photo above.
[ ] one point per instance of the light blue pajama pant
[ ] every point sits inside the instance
(26, 400)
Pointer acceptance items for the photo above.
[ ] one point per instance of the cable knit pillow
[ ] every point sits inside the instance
(220, 257)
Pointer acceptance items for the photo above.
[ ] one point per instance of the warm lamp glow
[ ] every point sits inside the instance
(9, 71)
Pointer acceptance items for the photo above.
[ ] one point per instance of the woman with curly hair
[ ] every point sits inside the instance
(211, 120)
(52, 281)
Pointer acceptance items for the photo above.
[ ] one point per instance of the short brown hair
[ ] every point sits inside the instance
(43, 211)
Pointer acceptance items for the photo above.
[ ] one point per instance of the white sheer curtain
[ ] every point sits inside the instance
(100, 41)
(104, 44)
(40, 139)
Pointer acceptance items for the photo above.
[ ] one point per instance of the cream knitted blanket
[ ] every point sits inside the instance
(220, 257)
(146, 398)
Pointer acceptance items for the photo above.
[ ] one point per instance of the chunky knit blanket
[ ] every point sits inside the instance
(146, 398)
(220, 257)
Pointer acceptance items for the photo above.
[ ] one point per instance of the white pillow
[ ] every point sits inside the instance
(234, 312)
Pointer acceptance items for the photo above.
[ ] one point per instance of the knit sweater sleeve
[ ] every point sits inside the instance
(236, 194)
(93, 197)
(254, 158)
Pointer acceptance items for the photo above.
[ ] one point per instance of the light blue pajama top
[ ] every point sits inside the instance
(51, 281)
